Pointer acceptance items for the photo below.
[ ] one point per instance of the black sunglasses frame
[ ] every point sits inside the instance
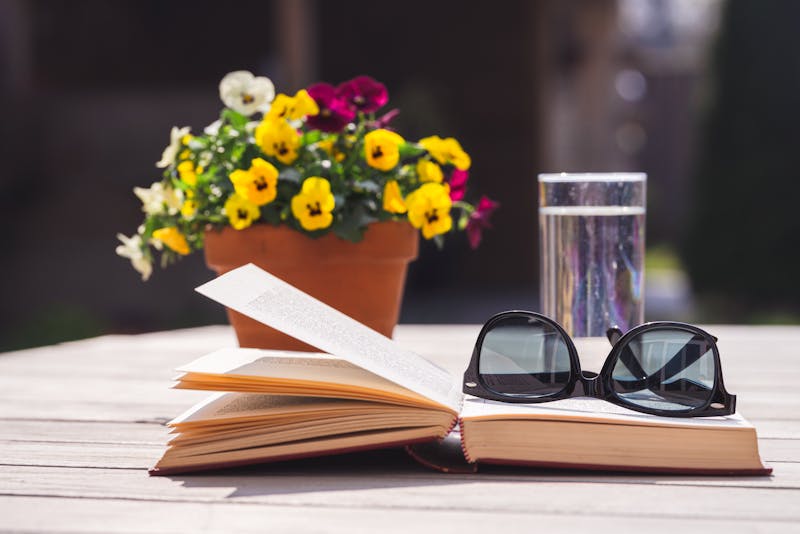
(590, 384)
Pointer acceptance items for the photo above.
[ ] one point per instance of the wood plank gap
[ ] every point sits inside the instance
(86, 442)
(49, 466)
(162, 421)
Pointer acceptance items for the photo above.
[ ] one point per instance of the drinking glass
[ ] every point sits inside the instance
(591, 230)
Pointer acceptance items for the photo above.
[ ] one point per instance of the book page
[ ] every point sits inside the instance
(229, 405)
(289, 365)
(589, 410)
(268, 299)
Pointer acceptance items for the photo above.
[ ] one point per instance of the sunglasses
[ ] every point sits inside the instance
(661, 368)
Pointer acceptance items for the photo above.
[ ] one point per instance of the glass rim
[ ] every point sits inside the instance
(569, 177)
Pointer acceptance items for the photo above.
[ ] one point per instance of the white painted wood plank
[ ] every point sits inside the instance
(114, 516)
(777, 428)
(82, 431)
(88, 455)
(658, 497)
(387, 469)
(779, 450)
(99, 409)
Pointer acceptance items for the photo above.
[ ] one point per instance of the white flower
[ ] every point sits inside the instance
(245, 93)
(175, 136)
(213, 128)
(251, 126)
(204, 160)
(131, 248)
(157, 197)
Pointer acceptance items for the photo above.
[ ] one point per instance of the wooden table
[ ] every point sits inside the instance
(81, 422)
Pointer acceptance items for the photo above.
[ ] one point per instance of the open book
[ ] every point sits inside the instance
(364, 391)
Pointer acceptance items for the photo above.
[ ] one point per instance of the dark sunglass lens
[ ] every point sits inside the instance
(665, 369)
(525, 357)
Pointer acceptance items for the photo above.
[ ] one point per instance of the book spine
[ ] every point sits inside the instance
(445, 455)
(463, 443)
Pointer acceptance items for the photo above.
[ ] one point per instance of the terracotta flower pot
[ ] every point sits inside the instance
(363, 280)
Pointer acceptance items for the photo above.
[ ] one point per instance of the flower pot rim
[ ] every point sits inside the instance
(386, 241)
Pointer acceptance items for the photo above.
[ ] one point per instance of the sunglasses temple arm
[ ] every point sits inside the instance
(613, 334)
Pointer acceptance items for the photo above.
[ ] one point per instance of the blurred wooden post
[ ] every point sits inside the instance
(578, 44)
(16, 50)
(297, 43)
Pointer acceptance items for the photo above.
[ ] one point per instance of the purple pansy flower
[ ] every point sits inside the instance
(364, 94)
(458, 184)
(334, 111)
(479, 219)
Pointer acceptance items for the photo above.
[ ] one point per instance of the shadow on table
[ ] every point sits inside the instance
(386, 468)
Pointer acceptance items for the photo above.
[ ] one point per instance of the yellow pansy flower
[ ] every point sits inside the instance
(429, 209)
(277, 138)
(188, 172)
(241, 212)
(189, 206)
(186, 139)
(313, 205)
(305, 105)
(447, 151)
(258, 184)
(185, 154)
(382, 148)
(173, 238)
(293, 107)
(280, 107)
(392, 199)
(428, 171)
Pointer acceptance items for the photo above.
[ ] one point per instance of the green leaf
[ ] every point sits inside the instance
(317, 168)
(236, 153)
(310, 137)
(353, 172)
(236, 119)
(349, 229)
(438, 240)
(368, 186)
(198, 143)
(290, 174)
(351, 226)
(410, 150)
(462, 221)
(271, 215)
(385, 216)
